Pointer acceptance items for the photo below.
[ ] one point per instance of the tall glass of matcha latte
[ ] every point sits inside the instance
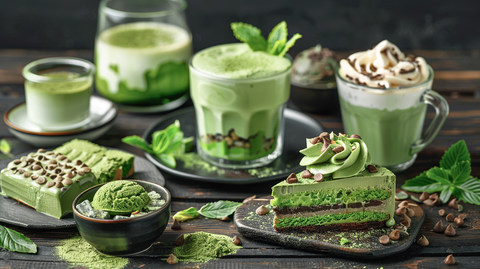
(141, 53)
(383, 98)
(239, 96)
(57, 92)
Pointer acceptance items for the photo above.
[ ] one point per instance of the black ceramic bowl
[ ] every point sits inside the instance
(316, 100)
(124, 236)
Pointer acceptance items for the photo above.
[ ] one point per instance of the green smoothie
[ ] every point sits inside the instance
(388, 133)
(239, 97)
(143, 63)
(61, 101)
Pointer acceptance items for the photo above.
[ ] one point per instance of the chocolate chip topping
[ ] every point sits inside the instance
(50, 153)
(338, 149)
(67, 182)
(81, 173)
(68, 161)
(78, 162)
(41, 151)
(53, 176)
(52, 162)
(59, 185)
(21, 171)
(61, 158)
(292, 178)
(84, 165)
(51, 167)
(318, 177)
(23, 164)
(372, 168)
(57, 170)
(63, 189)
(314, 140)
(307, 174)
(34, 177)
(13, 168)
(87, 170)
(59, 179)
(355, 136)
(27, 174)
(17, 161)
(40, 157)
(50, 184)
(72, 174)
(42, 180)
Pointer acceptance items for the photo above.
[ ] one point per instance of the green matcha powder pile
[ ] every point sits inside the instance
(202, 247)
(80, 253)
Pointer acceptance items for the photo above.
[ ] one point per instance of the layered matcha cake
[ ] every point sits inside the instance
(49, 181)
(339, 190)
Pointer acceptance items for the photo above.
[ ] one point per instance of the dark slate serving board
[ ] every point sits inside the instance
(363, 244)
(13, 212)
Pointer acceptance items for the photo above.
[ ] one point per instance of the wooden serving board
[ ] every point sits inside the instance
(363, 243)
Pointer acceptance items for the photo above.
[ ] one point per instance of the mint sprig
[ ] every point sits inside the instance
(276, 44)
(15, 241)
(165, 143)
(219, 209)
(451, 178)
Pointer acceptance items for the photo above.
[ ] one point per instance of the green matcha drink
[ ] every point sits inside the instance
(239, 97)
(57, 92)
(383, 98)
(143, 63)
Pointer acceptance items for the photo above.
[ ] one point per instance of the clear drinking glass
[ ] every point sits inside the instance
(390, 121)
(141, 53)
(57, 92)
(240, 122)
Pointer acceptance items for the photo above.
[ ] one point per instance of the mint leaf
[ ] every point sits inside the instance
(422, 183)
(15, 241)
(168, 160)
(460, 172)
(469, 192)
(138, 142)
(290, 44)
(439, 175)
(457, 153)
(277, 38)
(186, 214)
(250, 35)
(219, 209)
(445, 194)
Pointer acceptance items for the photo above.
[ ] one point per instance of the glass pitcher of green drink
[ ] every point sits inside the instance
(141, 53)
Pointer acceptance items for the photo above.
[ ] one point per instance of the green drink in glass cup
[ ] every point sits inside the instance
(383, 98)
(141, 53)
(239, 94)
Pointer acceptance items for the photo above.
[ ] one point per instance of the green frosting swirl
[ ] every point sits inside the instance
(347, 163)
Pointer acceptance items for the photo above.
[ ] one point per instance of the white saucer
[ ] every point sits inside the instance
(102, 115)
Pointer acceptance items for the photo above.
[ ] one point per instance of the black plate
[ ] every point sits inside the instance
(298, 126)
(15, 213)
(364, 244)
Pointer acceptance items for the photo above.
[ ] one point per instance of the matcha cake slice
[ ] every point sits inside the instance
(339, 190)
(106, 165)
(46, 181)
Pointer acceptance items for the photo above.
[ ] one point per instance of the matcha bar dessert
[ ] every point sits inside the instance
(106, 165)
(339, 190)
(47, 181)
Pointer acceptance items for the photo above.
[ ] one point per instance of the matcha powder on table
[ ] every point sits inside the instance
(80, 253)
(202, 247)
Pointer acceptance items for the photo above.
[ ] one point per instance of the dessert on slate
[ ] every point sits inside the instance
(49, 181)
(339, 190)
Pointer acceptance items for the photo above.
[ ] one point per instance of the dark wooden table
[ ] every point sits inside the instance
(457, 78)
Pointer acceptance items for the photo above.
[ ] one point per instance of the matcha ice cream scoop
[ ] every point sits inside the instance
(120, 197)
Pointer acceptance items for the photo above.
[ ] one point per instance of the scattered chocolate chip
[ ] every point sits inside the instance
(355, 136)
(318, 177)
(59, 185)
(429, 202)
(410, 212)
(405, 220)
(403, 204)
(384, 239)
(450, 217)
(172, 259)
(41, 180)
(395, 235)
(63, 189)
(423, 241)
(424, 196)
(441, 212)
(236, 241)
(449, 260)
(433, 196)
(453, 203)
(371, 168)
(87, 170)
(292, 178)
(27, 174)
(17, 161)
(438, 228)
(176, 225)
(459, 221)
(262, 210)
(314, 140)
(450, 231)
(307, 174)
(50, 184)
(400, 211)
(180, 240)
(78, 162)
(462, 216)
(67, 181)
(338, 149)
(226, 218)
(249, 199)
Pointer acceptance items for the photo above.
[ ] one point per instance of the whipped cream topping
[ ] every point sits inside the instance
(384, 66)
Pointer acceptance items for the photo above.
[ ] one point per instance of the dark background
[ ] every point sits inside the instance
(337, 24)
